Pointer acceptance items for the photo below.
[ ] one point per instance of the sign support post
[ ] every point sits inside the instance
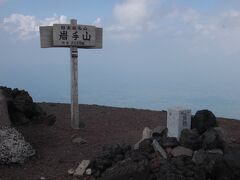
(72, 36)
(74, 84)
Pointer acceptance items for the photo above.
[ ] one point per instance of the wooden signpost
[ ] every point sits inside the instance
(73, 36)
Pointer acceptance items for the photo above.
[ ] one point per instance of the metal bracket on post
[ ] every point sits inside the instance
(74, 84)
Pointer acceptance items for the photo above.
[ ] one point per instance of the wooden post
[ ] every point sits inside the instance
(72, 36)
(74, 84)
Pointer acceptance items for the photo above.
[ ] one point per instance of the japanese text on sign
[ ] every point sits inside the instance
(73, 35)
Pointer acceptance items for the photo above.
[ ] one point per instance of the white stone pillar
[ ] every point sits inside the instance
(177, 120)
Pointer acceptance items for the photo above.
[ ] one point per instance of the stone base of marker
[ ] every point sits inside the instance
(158, 156)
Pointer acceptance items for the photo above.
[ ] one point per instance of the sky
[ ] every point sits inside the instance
(156, 53)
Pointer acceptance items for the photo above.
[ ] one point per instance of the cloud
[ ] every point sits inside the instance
(132, 12)
(215, 31)
(185, 15)
(97, 22)
(219, 31)
(26, 26)
(131, 17)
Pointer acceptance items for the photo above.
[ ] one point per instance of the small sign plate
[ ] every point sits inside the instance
(65, 35)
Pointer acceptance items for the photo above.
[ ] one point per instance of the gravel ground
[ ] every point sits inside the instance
(55, 152)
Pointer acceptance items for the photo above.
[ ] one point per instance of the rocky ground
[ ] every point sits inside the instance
(56, 153)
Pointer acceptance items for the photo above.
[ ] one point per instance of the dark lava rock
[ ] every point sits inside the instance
(23, 102)
(232, 161)
(218, 166)
(18, 118)
(204, 157)
(213, 140)
(180, 168)
(222, 172)
(110, 152)
(155, 164)
(102, 164)
(146, 146)
(23, 110)
(191, 139)
(160, 131)
(167, 142)
(137, 156)
(203, 120)
(110, 155)
(127, 170)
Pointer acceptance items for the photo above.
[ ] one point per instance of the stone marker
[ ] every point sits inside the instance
(81, 168)
(4, 118)
(177, 120)
(157, 147)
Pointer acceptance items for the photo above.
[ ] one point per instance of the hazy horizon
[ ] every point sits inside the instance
(156, 53)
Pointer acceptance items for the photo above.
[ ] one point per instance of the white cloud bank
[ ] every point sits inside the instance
(28, 26)
(131, 17)
(97, 22)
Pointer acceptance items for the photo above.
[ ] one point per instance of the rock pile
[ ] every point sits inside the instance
(18, 106)
(23, 110)
(200, 154)
(13, 147)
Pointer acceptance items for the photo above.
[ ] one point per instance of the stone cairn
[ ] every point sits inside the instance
(201, 153)
(22, 110)
(17, 108)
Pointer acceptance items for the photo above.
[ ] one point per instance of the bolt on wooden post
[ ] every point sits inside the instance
(73, 36)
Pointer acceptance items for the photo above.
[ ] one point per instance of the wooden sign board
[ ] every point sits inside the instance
(72, 36)
(67, 35)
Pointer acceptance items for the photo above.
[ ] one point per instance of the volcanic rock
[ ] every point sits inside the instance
(159, 131)
(146, 146)
(181, 151)
(203, 120)
(23, 110)
(146, 134)
(4, 118)
(212, 139)
(127, 170)
(191, 139)
(169, 142)
(13, 147)
(203, 157)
